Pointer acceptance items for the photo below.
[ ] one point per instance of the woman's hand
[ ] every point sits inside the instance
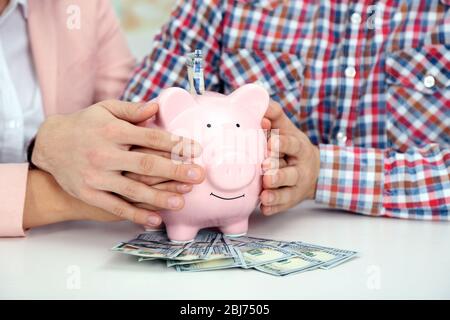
(46, 203)
(88, 151)
(292, 168)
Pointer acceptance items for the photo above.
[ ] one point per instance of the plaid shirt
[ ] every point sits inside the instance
(368, 81)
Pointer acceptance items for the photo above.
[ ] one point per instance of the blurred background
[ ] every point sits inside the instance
(141, 20)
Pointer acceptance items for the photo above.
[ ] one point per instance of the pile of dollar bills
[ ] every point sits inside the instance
(213, 251)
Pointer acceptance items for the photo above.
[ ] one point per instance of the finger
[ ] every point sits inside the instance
(286, 177)
(279, 196)
(287, 144)
(164, 154)
(151, 165)
(273, 163)
(279, 121)
(148, 180)
(276, 115)
(130, 111)
(123, 209)
(174, 186)
(146, 206)
(266, 124)
(158, 139)
(139, 192)
(271, 210)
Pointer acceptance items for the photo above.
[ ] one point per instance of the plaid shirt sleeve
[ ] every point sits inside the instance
(412, 184)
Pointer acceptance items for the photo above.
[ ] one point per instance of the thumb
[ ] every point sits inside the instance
(133, 112)
(276, 116)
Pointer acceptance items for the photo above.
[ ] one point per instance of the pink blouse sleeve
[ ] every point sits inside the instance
(13, 184)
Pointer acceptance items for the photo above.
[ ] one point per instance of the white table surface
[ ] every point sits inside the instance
(398, 259)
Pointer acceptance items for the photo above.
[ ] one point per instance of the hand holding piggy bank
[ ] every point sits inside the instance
(229, 130)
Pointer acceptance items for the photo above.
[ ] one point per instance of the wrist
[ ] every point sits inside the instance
(38, 155)
(45, 201)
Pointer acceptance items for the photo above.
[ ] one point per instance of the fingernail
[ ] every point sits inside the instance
(266, 164)
(193, 174)
(184, 188)
(153, 220)
(174, 202)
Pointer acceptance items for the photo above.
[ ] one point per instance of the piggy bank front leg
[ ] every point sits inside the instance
(235, 229)
(181, 233)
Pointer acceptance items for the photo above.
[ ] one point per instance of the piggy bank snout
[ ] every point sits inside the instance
(230, 170)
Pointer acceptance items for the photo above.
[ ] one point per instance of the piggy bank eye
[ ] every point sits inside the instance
(238, 125)
(209, 125)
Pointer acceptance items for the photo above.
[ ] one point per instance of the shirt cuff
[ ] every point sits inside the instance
(351, 178)
(13, 185)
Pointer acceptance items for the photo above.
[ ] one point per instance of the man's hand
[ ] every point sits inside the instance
(88, 151)
(292, 167)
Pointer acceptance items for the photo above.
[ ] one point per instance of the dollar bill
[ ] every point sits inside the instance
(219, 250)
(200, 248)
(227, 263)
(124, 247)
(331, 257)
(259, 253)
(149, 250)
(211, 250)
(295, 264)
(252, 240)
(151, 245)
(155, 236)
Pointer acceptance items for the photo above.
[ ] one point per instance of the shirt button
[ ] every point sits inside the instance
(355, 18)
(341, 137)
(12, 124)
(429, 81)
(350, 72)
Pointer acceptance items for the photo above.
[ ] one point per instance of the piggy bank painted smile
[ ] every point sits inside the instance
(229, 130)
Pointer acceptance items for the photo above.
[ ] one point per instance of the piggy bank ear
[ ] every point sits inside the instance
(173, 101)
(252, 97)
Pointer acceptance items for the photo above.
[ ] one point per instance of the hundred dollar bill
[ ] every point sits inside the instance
(149, 250)
(126, 248)
(330, 257)
(259, 253)
(295, 264)
(211, 250)
(234, 262)
(220, 250)
(158, 236)
(201, 248)
(252, 240)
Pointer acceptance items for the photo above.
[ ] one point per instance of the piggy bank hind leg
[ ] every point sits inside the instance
(179, 233)
(235, 229)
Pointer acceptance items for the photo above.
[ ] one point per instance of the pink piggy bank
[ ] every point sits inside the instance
(234, 144)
